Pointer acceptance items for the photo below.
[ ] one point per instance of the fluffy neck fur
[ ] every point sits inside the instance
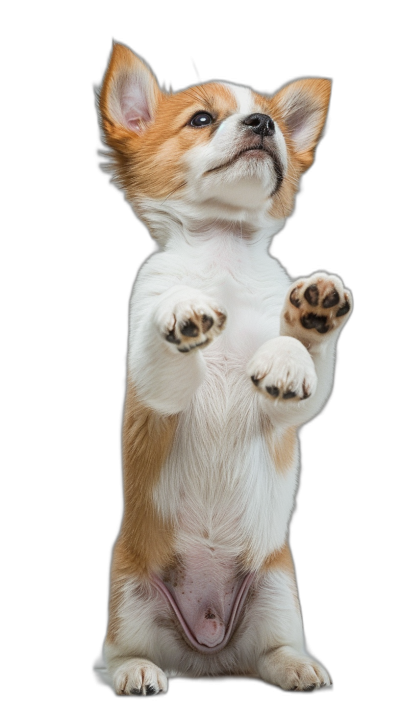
(171, 221)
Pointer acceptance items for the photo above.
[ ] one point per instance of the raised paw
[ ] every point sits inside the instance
(139, 676)
(315, 306)
(293, 670)
(282, 369)
(191, 323)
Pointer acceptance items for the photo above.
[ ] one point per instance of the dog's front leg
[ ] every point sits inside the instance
(165, 361)
(294, 372)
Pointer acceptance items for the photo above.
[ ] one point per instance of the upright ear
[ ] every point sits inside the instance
(303, 106)
(129, 94)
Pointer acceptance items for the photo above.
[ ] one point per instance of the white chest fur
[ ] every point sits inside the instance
(219, 484)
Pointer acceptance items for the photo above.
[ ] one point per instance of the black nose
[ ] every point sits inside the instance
(261, 124)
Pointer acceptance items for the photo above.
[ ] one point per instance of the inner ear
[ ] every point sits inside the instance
(304, 105)
(133, 103)
(130, 91)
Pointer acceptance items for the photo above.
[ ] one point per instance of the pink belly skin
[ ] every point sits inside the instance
(207, 597)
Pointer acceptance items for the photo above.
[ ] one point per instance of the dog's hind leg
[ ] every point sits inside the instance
(282, 658)
(135, 649)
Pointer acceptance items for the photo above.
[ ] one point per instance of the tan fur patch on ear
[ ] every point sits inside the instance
(282, 447)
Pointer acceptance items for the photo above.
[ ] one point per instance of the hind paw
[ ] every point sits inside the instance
(293, 670)
(139, 676)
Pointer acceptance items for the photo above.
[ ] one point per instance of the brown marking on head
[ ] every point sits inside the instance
(282, 447)
(148, 130)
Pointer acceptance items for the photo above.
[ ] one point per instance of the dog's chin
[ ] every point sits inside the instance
(245, 183)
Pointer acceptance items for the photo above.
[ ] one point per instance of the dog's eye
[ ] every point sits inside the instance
(201, 119)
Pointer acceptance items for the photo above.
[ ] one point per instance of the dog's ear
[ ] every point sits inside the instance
(303, 106)
(129, 94)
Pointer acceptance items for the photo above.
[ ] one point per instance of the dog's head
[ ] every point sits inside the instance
(212, 150)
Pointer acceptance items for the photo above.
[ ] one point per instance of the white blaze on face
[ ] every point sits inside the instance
(244, 97)
(215, 172)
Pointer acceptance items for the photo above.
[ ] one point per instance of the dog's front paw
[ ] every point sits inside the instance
(315, 306)
(190, 323)
(139, 676)
(283, 369)
(293, 670)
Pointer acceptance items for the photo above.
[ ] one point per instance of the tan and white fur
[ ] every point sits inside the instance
(227, 358)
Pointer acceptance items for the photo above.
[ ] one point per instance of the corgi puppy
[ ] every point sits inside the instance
(227, 358)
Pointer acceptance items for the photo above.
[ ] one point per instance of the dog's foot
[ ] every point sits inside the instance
(191, 323)
(315, 306)
(293, 670)
(139, 676)
(282, 369)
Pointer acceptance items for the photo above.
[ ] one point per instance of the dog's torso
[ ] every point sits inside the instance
(222, 487)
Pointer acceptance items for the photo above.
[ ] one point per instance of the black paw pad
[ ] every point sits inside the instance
(171, 338)
(289, 395)
(150, 689)
(273, 391)
(136, 691)
(312, 295)
(309, 688)
(331, 299)
(343, 310)
(294, 299)
(189, 329)
(318, 322)
(207, 322)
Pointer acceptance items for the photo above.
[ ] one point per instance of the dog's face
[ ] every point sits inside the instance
(215, 149)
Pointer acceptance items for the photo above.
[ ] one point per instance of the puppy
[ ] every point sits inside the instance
(227, 358)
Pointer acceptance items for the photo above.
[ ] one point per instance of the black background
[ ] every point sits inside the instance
(108, 245)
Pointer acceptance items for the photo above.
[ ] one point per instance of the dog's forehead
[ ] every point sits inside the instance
(243, 97)
(224, 97)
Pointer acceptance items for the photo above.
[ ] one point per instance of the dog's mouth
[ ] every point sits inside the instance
(253, 149)
(257, 151)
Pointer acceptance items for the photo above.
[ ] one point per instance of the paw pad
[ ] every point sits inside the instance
(192, 325)
(283, 370)
(189, 329)
(326, 296)
(277, 393)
